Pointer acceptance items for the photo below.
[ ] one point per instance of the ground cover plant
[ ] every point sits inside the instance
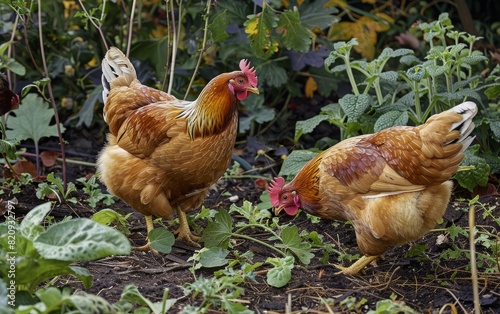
(328, 70)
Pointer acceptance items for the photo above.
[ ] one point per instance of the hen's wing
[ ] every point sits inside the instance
(403, 159)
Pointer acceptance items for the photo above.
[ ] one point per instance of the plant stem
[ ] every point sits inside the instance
(52, 101)
(202, 50)
(174, 45)
(242, 236)
(473, 266)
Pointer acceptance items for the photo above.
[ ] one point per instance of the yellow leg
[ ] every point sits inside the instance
(358, 266)
(149, 227)
(183, 232)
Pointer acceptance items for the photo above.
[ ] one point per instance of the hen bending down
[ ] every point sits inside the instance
(163, 154)
(392, 185)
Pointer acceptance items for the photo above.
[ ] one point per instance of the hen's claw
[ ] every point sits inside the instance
(357, 267)
(184, 234)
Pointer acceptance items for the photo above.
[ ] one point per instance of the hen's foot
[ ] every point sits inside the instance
(147, 247)
(357, 267)
(184, 234)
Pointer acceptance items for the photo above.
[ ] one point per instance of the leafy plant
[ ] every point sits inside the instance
(26, 125)
(54, 187)
(95, 195)
(393, 97)
(41, 254)
(289, 244)
(52, 299)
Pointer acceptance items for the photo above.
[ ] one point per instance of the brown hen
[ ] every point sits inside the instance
(163, 154)
(392, 185)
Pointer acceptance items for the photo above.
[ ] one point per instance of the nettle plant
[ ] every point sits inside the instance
(383, 97)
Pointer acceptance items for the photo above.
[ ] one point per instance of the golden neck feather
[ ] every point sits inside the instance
(213, 110)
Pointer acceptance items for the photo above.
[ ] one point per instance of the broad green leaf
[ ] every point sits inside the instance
(81, 239)
(307, 126)
(294, 35)
(416, 73)
(132, 294)
(256, 111)
(293, 242)
(27, 125)
(161, 240)
(108, 216)
(295, 161)
(316, 14)
(281, 274)
(390, 119)
(495, 128)
(90, 303)
(214, 257)
(218, 27)
(391, 76)
(9, 149)
(272, 74)
(354, 106)
(31, 226)
(259, 28)
(492, 92)
(218, 232)
(469, 179)
(86, 114)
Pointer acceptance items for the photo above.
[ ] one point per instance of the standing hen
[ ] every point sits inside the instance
(163, 154)
(392, 185)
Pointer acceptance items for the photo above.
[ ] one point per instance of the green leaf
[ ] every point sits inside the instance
(256, 111)
(131, 294)
(295, 161)
(90, 303)
(81, 239)
(214, 257)
(316, 14)
(390, 119)
(108, 216)
(354, 106)
(307, 126)
(27, 125)
(86, 114)
(492, 92)
(218, 27)
(31, 226)
(294, 35)
(281, 274)
(259, 28)
(477, 177)
(161, 240)
(218, 232)
(272, 74)
(495, 128)
(293, 242)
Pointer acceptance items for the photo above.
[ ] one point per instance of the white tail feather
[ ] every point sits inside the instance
(115, 65)
(468, 110)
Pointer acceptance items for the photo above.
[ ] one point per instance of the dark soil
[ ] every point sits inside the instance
(426, 282)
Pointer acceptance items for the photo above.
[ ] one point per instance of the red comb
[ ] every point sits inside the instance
(274, 190)
(249, 72)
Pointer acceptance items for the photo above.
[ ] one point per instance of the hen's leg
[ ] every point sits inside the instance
(358, 266)
(183, 232)
(149, 227)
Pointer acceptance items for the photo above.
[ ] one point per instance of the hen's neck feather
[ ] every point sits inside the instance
(213, 110)
(306, 183)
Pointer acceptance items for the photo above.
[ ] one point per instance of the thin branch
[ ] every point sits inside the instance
(130, 27)
(174, 46)
(473, 266)
(52, 100)
(202, 50)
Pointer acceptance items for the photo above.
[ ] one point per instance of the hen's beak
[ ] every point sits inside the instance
(278, 210)
(254, 90)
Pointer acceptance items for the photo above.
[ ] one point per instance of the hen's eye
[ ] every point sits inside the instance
(285, 197)
(241, 81)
